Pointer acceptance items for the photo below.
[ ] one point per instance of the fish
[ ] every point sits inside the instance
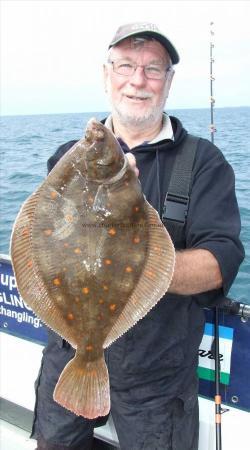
(91, 258)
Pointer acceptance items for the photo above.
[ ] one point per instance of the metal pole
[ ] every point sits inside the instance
(217, 398)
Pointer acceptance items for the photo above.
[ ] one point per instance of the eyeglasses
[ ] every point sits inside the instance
(151, 71)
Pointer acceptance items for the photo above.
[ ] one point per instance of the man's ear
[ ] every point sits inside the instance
(170, 77)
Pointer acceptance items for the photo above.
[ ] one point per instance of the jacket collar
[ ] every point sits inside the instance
(165, 133)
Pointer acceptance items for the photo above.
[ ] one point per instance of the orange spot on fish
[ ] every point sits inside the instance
(66, 244)
(89, 348)
(136, 208)
(150, 274)
(101, 301)
(105, 287)
(112, 307)
(85, 290)
(69, 218)
(70, 316)
(77, 299)
(48, 232)
(30, 263)
(57, 281)
(112, 232)
(107, 261)
(136, 240)
(25, 231)
(53, 194)
(128, 269)
(77, 251)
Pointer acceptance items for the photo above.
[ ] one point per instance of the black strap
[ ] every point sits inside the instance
(177, 198)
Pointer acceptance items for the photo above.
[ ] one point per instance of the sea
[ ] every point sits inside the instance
(26, 142)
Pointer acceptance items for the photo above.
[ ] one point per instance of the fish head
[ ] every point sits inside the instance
(103, 155)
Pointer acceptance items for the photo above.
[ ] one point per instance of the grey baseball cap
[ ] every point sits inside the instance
(145, 29)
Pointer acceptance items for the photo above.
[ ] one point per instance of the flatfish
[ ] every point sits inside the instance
(91, 258)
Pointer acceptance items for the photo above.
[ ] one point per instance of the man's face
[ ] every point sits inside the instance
(135, 99)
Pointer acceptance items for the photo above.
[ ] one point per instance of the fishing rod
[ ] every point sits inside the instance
(217, 397)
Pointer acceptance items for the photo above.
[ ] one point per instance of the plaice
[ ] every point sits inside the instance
(91, 258)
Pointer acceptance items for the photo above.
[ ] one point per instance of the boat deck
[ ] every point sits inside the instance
(14, 438)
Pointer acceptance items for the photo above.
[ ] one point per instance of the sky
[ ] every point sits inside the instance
(52, 51)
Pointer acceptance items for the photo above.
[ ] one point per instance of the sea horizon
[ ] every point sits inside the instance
(107, 112)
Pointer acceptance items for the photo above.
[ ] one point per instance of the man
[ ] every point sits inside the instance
(153, 366)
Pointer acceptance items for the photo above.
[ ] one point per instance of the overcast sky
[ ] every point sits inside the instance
(52, 51)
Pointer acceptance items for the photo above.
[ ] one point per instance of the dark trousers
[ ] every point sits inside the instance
(42, 444)
(155, 424)
(160, 428)
(145, 418)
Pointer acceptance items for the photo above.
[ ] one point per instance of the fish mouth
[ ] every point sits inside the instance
(94, 131)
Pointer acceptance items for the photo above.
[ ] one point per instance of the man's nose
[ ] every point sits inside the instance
(138, 78)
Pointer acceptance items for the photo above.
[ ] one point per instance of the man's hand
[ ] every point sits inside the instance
(132, 162)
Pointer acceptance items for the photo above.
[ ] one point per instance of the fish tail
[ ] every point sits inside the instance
(83, 387)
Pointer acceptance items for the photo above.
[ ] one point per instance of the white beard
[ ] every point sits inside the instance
(135, 120)
(130, 119)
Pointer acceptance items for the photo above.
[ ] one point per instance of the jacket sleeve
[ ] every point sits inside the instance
(213, 221)
(58, 154)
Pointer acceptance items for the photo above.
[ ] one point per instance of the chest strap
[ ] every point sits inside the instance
(176, 203)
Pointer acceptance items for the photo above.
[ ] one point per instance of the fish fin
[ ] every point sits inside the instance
(154, 280)
(83, 387)
(30, 284)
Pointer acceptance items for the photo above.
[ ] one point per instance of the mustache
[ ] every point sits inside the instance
(139, 93)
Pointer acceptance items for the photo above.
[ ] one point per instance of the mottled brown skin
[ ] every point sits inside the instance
(92, 257)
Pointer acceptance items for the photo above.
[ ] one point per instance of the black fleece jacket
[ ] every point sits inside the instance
(165, 343)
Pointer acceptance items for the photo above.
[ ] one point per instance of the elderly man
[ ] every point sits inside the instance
(153, 366)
